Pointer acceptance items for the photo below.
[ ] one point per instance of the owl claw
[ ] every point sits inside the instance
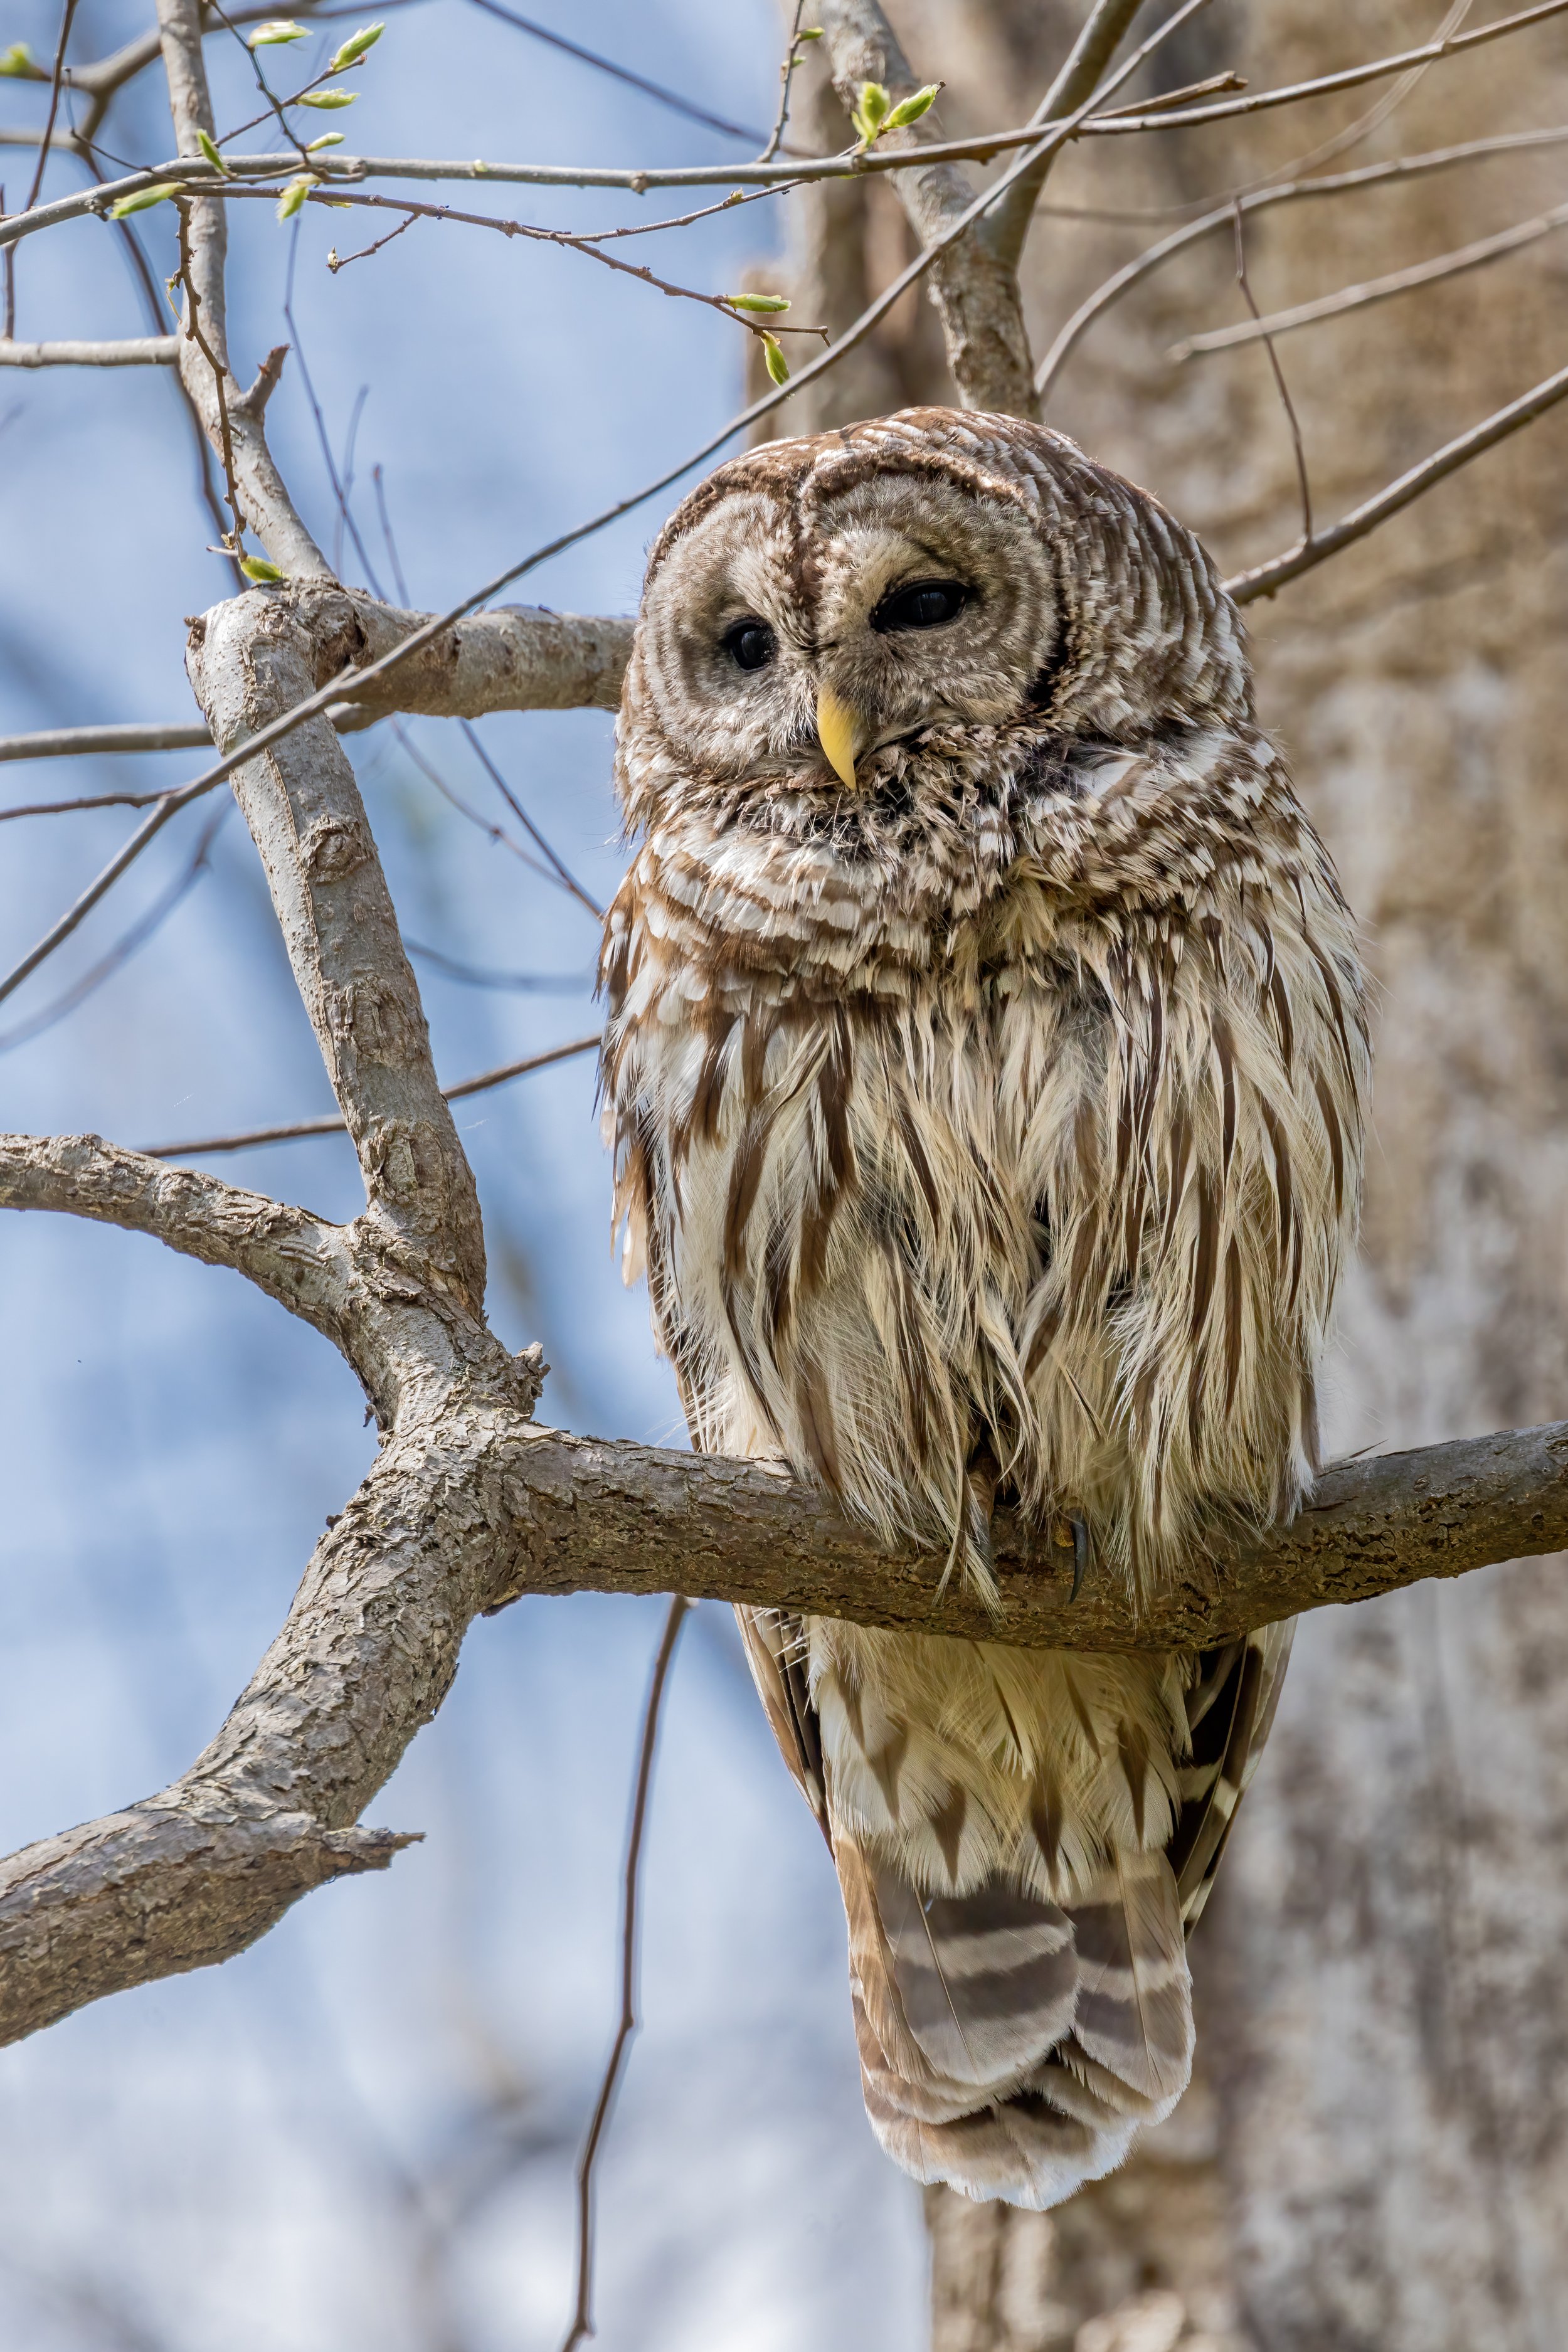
(1080, 1557)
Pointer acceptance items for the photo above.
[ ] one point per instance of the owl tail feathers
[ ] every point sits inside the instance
(1009, 2046)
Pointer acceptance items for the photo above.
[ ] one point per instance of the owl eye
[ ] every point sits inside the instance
(750, 644)
(923, 604)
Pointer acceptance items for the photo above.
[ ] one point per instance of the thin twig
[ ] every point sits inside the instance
(984, 148)
(1263, 579)
(234, 538)
(397, 580)
(514, 983)
(335, 1123)
(1279, 384)
(1292, 191)
(492, 832)
(786, 77)
(583, 2318)
(356, 680)
(654, 89)
(56, 79)
(568, 880)
(126, 946)
(1378, 289)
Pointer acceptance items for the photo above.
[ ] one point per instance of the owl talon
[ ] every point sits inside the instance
(1080, 1557)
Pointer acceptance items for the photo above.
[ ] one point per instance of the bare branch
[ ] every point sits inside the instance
(984, 148)
(976, 291)
(583, 2318)
(470, 1504)
(1265, 578)
(134, 351)
(250, 659)
(233, 425)
(1450, 45)
(296, 1258)
(1378, 289)
(1086, 62)
(654, 89)
(64, 743)
(1365, 175)
(308, 1127)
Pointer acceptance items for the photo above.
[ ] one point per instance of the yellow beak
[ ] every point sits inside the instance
(841, 732)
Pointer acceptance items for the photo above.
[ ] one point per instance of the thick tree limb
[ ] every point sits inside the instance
(250, 661)
(469, 1506)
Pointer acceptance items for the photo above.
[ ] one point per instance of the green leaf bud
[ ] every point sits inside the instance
(767, 302)
(872, 111)
(326, 138)
(208, 146)
(327, 100)
(19, 64)
(276, 29)
(256, 568)
(144, 198)
(355, 46)
(909, 109)
(774, 359)
(294, 195)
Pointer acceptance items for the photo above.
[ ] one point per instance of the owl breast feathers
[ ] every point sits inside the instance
(986, 1069)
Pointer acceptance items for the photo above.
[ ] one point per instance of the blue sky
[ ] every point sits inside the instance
(362, 2134)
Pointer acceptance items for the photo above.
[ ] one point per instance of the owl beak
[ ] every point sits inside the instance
(842, 733)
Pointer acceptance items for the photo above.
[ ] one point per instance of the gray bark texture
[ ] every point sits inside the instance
(1381, 2158)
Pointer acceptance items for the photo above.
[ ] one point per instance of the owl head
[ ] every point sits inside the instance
(818, 602)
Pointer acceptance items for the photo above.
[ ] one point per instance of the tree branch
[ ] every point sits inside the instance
(1336, 183)
(976, 291)
(233, 425)
(133, 351)
(1376, 290)
(250, 661)
(469, 1506)
(298, 1259)
(1265, 578)
(1008, 226)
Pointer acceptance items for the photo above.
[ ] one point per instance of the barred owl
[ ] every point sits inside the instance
(986, 1069)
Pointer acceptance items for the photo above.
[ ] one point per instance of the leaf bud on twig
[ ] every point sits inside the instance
(354, 47)
(774, 359)
(325, 99)
(872, 111)
(909, 109)
(256, 568)
(276, 29)
(143, 197)
(294, 195)
(769, 302)
(209, 147)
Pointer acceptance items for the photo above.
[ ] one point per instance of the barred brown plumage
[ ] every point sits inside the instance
(986, 1069)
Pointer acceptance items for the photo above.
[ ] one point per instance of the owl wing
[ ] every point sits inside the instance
(1230, 1711)
(775, 1651)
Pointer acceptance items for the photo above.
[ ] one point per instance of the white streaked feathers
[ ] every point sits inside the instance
(999, 1122)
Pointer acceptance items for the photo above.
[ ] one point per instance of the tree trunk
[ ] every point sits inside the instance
(1374, 2157)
